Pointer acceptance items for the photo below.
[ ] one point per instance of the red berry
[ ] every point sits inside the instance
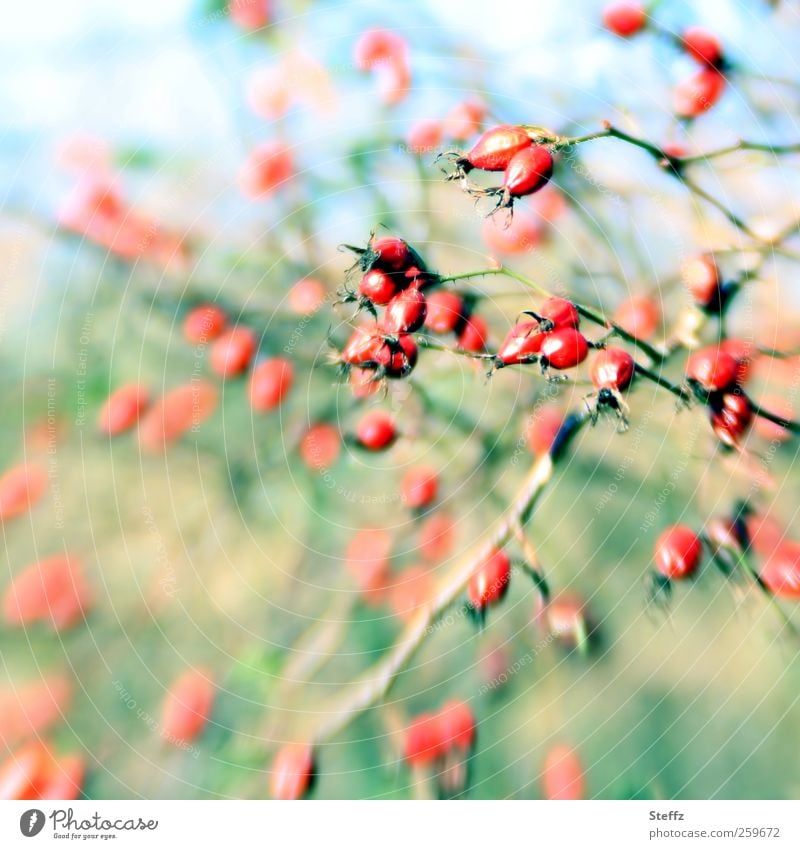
(445, 310)
(543, 428)
(562, 775)
(474, 335)
(406, 312)
(639, 316)
(378, 47)
(63, 779)
(267, 167)
(204, 323)
(270, 382)
(177, 412)
(764, 533)
(625, 18)
(397, 357)
(731, 416)
(410, 591)
(702, 45)
(723, 534)
(363, 345)
(249, 14)
(744, 353)
(698, 94)
(376, 430)
(712, 369)
(613, 369)
(424, 137)
(292, 772)
(378, 286)
(702, 279)
(187, 706)
(122, 409)
(419, 487)
(522, 344)
(678, 552)
(490, 581)
(320, 446)
(232, 352)
(564, 348)
(495, 149)
(528, 171)
(457, 725)
(20, 488)
(464, 120)
(781, 571)
(566, 619)
(53, 590)
(22, 771)
(423, 740)
(560, 312)
(390, 253)
(306, 296)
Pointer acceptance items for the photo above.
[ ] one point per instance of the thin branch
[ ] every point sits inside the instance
(375, 684)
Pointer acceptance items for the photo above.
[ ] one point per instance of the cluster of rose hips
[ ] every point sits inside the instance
(522, 156)
(698, 93)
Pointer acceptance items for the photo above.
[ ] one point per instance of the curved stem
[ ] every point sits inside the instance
(374, 685)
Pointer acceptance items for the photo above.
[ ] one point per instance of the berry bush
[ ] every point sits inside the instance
(437, 440)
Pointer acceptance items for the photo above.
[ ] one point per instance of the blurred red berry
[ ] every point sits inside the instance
(423, 740)
(490, 580)
(567, 620)
(249, 14)
(474, 335)
(562, 775)
(31, 707)
(543, 428)
(22, 771)
(21, 487)
(457, 725)
(744, 353)
(267, 167)
(320, 446)
(410, 591)
(698, 94)
(204, 323)
(702, 279)
(764, 533)
(702, 45)
(187, 706)
(306, 296)
(419, 487)
(233, 351)
(292, 772)
(122, 409)
(63, 779)
(564, 348)
(712, 369)
(178, 411)
(378, 46)
(436, 537)
(464, 120)
(678, 552)
(781, 571)
(367, 560)
(639, 316)
(362, 382)
(625, 18)
(53, 590)
(424, 136)
(270, 383)
(376, 430)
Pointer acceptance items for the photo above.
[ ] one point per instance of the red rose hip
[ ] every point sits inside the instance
(678, 552)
